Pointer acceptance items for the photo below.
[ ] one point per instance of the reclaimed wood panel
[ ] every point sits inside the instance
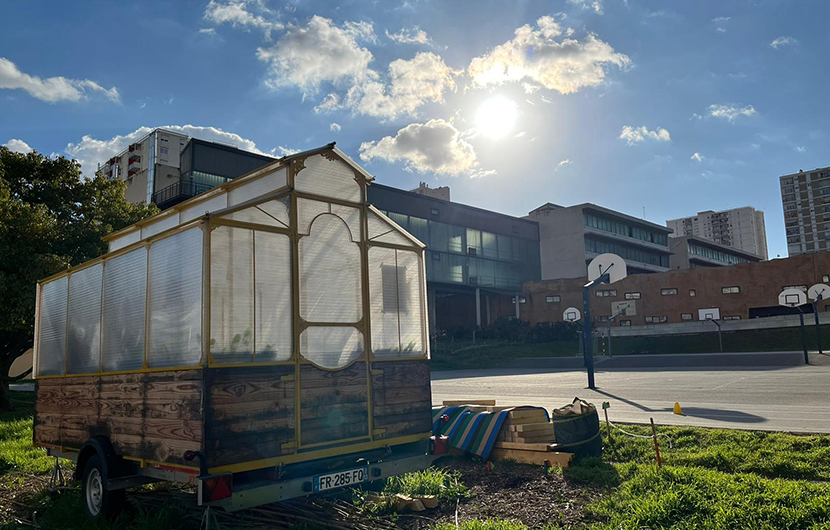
(249, 414)
(401, 397)
(334, 405)
(154, 416)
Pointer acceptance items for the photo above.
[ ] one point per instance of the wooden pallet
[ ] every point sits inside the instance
(527, 437)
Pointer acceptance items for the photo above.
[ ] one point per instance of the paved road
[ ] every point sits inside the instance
(795, 399)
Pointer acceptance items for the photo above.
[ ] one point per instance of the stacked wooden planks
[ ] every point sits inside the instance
(526, 437)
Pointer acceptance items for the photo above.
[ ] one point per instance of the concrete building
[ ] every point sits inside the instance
(742, 228)
(441, 192)
(570, 237)
(473, 255)
(805, 197)
(689, 252)
(738, 292)
(167, 167)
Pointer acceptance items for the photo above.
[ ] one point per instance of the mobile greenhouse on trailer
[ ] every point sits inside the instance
(264, 340)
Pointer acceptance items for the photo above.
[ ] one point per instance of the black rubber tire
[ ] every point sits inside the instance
(107, 504)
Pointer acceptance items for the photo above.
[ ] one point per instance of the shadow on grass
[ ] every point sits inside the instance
(592, 470)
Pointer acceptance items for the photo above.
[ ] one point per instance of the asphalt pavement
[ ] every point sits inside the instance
(775, 398)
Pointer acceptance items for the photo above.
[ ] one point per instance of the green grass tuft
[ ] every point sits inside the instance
(444, 484)
(488, 524)
(16, 450)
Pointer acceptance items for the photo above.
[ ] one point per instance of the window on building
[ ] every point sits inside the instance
(434, 211)
(731, 290)
(656, 319)
(732, 317)
(685, 316)
(605, 293)
(522, 300)
(553, 299)
(669, 291)
(625, 323)
(799, 287)
(632, 296)
(163, 150)
(692, 292)
(601, 318)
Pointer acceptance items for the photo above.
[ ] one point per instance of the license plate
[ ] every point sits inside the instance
(341, 478)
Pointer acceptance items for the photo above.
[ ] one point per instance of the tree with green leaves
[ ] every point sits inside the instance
(51, 218)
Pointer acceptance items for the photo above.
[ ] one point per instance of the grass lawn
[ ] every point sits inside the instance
(711, 479)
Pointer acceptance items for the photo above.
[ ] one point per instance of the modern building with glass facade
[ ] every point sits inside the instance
(471, 253)
(570, 237)
(691, 252)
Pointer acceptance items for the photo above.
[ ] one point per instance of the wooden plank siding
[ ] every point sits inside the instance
(334, 405)
(154, 416)
(249, 414)
(401, 397)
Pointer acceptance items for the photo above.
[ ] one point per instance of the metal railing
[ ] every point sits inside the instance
(178, 192)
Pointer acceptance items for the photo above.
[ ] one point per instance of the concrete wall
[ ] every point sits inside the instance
(561, 242)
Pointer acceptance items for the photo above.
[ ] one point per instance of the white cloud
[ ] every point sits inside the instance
(208, 31)
(720, 23)
(237, 14)
(563, 163)
(51, 89)
(283, 151)
(800, 149)
(335, 127)
(519, 134)
(435, 146)
(783, 41)
(411, 84)
(731, 113)
(697, 157)
(549, 57)
(410, 36)
(718, 20)
(636, 135)
(318, 52)
(90, 151)
(18, 146)
(596, 5)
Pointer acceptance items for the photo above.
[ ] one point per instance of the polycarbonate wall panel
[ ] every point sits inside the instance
(307, 211)
(351, 216)
(232, 295)
(213, 204)
(383, 301)
(382, 232)
(395, 292)
(52, 341)
(274, 330)
(411, 310)
(84, 330)
(330, 346)
(256, 188)
(125, 287)
(330, 288)
(328, 178)
(123, 241)
(159, 226)
(271, 213)
(176, 300)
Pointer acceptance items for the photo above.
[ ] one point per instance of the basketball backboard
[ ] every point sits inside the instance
(610, 263)
(626, 308)
(571, 314)
(817, 290)
(712, 313)
(792, 298)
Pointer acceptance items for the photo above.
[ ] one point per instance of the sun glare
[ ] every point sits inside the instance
(496, 116)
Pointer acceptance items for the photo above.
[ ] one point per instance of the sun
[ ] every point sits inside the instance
(496, 117)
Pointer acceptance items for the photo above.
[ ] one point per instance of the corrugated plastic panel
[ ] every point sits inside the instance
(331, 347)
(176, 300)
(126, 239)
(328, 178)
(307, 211)
(159, 226)
(84, 347)
(52, 344)
(383, 302)
(381, 231)
(213, 204)
(274, 331)
(257, 188)
(125, 287)
(329, 273)
(410, 292)
(351, 216)
(270, 213)
(232, 295)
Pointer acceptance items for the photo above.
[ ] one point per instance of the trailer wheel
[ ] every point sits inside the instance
(98, 501)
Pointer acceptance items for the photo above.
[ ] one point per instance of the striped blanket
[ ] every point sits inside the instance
(472, 431)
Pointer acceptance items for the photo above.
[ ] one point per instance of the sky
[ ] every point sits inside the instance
(654, 108)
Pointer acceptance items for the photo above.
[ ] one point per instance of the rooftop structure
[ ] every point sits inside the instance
(741, 228)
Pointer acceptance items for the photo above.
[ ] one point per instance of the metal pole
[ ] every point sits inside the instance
(587, 339)
(609, 336)
(803, 336)
(818, 326)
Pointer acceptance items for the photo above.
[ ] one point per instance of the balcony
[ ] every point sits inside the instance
(179, 192)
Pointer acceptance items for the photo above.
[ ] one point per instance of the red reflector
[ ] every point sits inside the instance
(440, 445)
(217, 487)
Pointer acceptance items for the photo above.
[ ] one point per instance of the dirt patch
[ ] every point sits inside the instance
(527, 494)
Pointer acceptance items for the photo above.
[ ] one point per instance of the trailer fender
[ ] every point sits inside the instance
(101, 446)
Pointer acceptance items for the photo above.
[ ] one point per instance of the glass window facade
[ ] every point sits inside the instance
(628, 253)
(469, 256)
(625, 229)
(717, 255)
